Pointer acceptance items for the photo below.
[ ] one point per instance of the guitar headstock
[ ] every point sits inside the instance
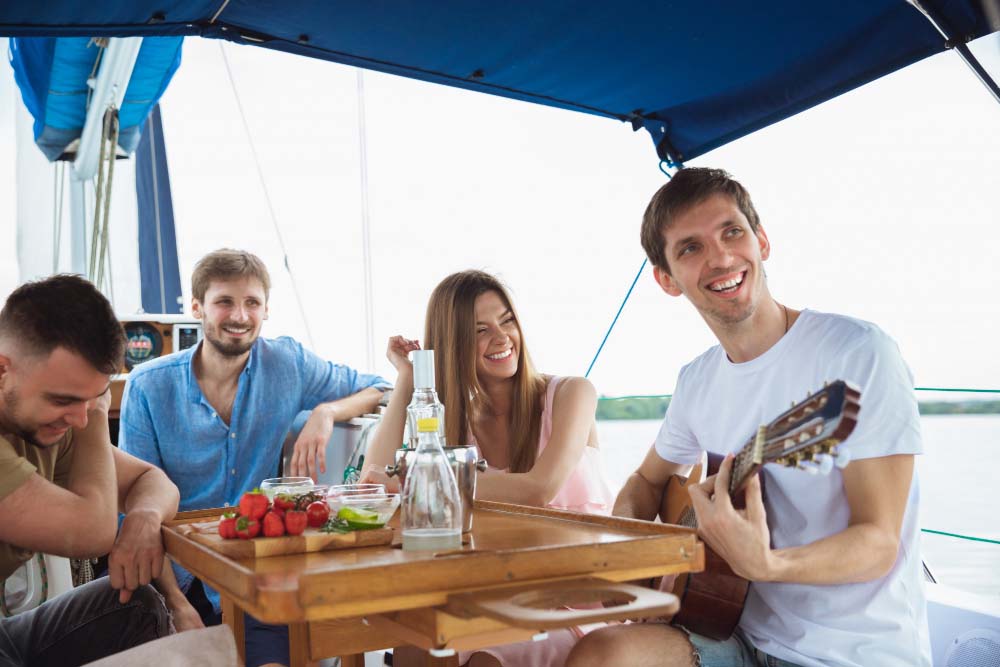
(805, 436)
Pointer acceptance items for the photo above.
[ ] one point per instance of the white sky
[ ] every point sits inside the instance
(880, 204)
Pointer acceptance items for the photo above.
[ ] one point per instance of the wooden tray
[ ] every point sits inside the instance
(206, 533)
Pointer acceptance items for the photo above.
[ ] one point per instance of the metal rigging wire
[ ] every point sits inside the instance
(267, 198)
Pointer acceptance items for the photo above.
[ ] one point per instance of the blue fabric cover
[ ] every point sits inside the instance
(52, 74)
(160, 276)
(695, 73)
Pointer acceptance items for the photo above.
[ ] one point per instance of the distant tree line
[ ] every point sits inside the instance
(654, 407)
(959, 407)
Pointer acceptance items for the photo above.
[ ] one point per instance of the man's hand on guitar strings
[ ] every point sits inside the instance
(741, 537)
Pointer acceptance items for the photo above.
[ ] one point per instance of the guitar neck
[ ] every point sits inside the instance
(746, 463)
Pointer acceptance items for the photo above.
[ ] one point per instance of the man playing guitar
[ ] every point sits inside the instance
(833, 560)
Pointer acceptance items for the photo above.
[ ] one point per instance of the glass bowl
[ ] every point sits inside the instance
(356, 490)
(364, 510)
(290, 485)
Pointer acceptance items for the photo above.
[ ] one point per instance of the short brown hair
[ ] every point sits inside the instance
(228, 264)
(64, 311)
(689, 187)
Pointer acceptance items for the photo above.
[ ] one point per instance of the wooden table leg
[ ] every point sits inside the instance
(298, 645)
(233, 617)
(354, 660)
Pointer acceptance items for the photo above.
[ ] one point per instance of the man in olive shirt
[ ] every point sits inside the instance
(62, 483)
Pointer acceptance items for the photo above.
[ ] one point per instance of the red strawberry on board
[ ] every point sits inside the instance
(253, 504)
(227, 526)
(295, 522)
(284, 502)
(274, 526)
(247, 528)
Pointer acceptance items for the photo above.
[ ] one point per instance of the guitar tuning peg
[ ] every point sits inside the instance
(825, 462)
(810, 468)
(843, 457)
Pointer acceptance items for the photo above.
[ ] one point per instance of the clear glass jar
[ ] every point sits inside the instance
(431, 507)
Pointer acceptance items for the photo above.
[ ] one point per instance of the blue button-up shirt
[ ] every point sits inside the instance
(166, 420)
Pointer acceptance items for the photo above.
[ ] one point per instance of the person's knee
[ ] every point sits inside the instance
(150, 602)
(595, 649)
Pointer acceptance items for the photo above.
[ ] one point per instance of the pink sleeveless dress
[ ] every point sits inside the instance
(585, 490)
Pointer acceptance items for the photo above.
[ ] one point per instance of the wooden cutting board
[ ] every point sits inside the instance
(312, 539)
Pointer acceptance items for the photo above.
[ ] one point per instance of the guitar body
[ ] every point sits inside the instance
(712, 600)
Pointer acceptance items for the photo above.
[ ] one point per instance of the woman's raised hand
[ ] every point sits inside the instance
(398, 350)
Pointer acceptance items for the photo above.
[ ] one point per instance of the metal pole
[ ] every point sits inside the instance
(78, 226)
(958, 44)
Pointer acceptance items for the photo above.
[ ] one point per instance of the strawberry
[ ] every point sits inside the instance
(253, 504)
(227, 526)
(273, 525)
(284, 502)
(247, 528)
(317, 513)
(295, 522)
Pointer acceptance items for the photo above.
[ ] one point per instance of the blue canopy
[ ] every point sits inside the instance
(695, 74)
(52, 74)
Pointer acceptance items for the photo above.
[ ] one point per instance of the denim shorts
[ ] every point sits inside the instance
(737, 651)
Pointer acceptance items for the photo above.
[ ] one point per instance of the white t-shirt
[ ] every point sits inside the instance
(718, 406)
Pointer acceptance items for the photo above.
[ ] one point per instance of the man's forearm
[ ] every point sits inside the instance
(152, 491)
(858, 553)
(167, 584)
(638, 499)
(92, 475)
(355, 405)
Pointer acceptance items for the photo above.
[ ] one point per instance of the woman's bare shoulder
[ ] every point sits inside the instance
(572, 389)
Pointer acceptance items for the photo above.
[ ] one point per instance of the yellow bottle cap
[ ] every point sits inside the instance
(427, 425)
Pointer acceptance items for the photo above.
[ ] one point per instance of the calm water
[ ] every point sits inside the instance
(958, 478)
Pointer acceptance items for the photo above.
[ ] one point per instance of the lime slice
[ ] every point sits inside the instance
(359, 519)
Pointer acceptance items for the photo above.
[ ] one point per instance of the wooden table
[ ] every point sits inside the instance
(346, 602)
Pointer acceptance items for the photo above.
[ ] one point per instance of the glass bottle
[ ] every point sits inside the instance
(431, 507)
(424, 403)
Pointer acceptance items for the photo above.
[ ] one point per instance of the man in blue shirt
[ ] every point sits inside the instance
(214, 417)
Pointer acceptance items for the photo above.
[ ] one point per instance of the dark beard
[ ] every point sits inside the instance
(231, 350)
(9, 423)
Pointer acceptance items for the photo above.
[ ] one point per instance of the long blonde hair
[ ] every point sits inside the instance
(450, 330)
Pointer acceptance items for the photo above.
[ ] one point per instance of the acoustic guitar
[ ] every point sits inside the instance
(805, 437)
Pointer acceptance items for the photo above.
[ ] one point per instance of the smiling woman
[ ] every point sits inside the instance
(537, 429)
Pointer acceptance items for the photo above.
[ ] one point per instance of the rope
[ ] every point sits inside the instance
(970, 391)
(267, 195)
(951, 389)
(615, 321)
(626, 398)
(632, 287)
(111, 125)
(960, 536)
(92, 270)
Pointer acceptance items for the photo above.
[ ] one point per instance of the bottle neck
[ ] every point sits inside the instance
(425, 395)
(429, 440)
